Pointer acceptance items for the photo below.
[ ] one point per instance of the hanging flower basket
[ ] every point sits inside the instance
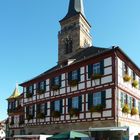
(55, 87)
(29, 95)
(73, 83)
(97, 108)
(135, 83)
(126, 78)
(96, 76)
(134, 111)
(74, 112)
(126, 109)
(56, 114)
(29, 117)
(40, 115)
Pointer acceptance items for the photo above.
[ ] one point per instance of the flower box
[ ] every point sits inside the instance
(74, 112)
(126, 109)
(97, 108)
(96, 76)
(40, 115)
(29, 95)
(126, 78)
(40, 91)
(73, 83)
(55, 87)
(29, 117)
(134, 111)
(56, 114)
(135, 83)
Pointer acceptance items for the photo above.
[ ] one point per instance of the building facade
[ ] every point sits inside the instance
(91, 88)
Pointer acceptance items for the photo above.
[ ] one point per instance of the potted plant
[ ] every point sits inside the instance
(55, 87)
(73, 82)
(74, 112)
(29, 117)
(40, 115)
(29, 95)
(97, 108)
(126, 109)
(135, 83)
(126, 78)
(40, 91)
(134, 111)
(96, 76)
(56, 114)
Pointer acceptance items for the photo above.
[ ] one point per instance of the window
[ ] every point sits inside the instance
(74, 75)
(124, 69)
(133, 75)
(139, 84)
(96, 68)
(42, 108)
(31, 110)
(130, 102)
(30, 89)
(57, 105)
(56, 81)
(97, 99)
(75, 102)
(42, 85)
(139, 106)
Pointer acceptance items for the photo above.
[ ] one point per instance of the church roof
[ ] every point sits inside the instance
(75, 7)
(15, 93)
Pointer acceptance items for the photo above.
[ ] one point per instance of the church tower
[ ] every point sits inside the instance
(75, 32)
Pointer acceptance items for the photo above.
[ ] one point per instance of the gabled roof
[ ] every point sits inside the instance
(15, 93)
(85, 53)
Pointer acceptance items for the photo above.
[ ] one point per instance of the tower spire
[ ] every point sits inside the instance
(75, 7)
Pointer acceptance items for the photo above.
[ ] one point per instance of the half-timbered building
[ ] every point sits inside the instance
(91, 88)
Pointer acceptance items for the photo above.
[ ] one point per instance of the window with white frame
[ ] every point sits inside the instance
(56, 80)
(42, 86)
(57, 105)
(75, 102)
(30, 110)
(139, 106)
(123, 99)
(130, 102)
(124, 69)
(74, 75)
(96, 68)
(97, 99)
(42, 108)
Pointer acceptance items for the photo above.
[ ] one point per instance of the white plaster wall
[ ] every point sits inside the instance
(107, 113)
(82, 70)
(108, 93)
(106, 79)
(63, 76)
(81, 86)
(108, 70)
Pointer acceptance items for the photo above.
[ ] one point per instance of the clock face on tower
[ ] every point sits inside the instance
(68, 45)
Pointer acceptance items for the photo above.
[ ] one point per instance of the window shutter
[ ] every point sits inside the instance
(33, 113)
(45, 85)
(69, 76)
(33, 89)
(102, 67)
(52, 106)
(78, 74)
(61, 101)
(103, 101)
(27, 110)
(38, 108)
(90, 70)
(45, 109)
(90, 100)
(126, 99)
(80, 103)
(134, 100)
(38, 86)
(69, 104)
(60, 80)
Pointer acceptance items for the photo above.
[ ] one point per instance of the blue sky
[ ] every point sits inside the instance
(29, 28)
